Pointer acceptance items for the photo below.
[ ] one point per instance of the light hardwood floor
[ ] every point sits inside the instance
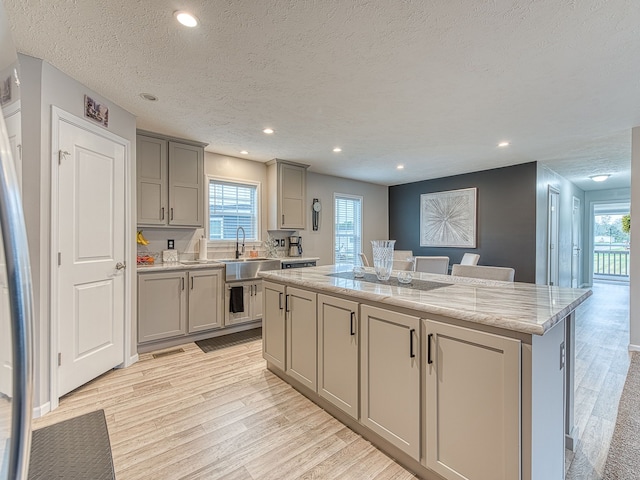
(191, 415)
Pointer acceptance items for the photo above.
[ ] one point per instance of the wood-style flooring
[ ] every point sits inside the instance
(222, 415)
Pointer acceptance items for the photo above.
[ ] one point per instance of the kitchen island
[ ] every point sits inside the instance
(456, 378)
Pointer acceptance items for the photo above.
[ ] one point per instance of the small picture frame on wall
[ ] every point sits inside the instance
(96, 111)
(448, 219)
(5, 91)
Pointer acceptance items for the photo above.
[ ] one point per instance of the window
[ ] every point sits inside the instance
(232, 205)
(347, 228)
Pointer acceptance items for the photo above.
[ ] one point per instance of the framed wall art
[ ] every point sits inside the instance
(96, 111)
(448, 219)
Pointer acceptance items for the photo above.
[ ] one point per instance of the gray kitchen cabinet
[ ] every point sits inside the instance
(170, 181)
(205, 299)
(472, 417)
(338, 374)
(390, 377)
(273, 324)
(301, 360)
(162, 306)
(252, 301)
(287, 185)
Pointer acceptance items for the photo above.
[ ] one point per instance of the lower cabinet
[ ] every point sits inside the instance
(301, 360)
(172, 304)
(338, 374)
(472, 413)
(273, 324)
(162, 306)
(205, 301)
(390, 377)
(252, 301)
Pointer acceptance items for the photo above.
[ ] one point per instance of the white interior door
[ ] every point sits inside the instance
(14, 131)
(576, 242)
(6, 345)
(553, 270)
(91, 244)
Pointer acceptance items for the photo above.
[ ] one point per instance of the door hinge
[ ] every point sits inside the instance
(61, 155)
(59, 258)
(59, 358)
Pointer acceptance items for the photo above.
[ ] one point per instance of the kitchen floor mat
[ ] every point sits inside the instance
(222, 341)
(74, 449)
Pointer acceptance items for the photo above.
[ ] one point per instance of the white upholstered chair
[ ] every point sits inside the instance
(432, 265)
(480, 271)
(470, 259)
(363, 259)
(403, 260)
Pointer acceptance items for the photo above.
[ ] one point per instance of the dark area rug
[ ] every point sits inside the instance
(623, 460)
(216, 343)
(74, 449)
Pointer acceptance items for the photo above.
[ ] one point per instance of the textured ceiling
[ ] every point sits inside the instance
(433, 85)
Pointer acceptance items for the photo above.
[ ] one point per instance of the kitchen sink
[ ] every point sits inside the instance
(248, 268)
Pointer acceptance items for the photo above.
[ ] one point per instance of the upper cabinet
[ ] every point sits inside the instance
(287, 183)
(170, 181)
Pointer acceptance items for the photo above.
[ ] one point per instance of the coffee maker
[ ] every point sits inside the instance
(295, 246)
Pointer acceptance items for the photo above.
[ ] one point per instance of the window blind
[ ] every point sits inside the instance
(232, 205)
(347, 229)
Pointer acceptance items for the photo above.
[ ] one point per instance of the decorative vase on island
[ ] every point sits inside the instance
(383, 258)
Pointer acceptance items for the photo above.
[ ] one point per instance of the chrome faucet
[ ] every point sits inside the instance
(238, 253)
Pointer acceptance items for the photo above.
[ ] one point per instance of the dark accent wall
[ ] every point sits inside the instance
(506, 206)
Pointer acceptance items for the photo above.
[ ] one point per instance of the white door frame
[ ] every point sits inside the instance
(550, 221)
(57, 116)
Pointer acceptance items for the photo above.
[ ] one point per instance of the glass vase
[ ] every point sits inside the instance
(383, 258)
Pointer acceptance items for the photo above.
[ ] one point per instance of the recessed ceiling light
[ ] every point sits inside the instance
(337, 150)
(244, 152)
(503, 144)
(187, 19)
(600, 178)
(400, 167)
(149, 96)
(268, 131)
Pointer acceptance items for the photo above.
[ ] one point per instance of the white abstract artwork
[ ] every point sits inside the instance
(448, 219)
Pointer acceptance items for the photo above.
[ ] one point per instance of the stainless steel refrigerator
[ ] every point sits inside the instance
(16, 378)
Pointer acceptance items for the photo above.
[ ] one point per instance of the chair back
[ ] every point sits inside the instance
(470, 259)
(363, 259)
(432, 265)
(402, 260)
(504, 274)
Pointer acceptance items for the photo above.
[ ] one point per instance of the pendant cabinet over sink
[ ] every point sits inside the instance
(170, 181)
(286, 182)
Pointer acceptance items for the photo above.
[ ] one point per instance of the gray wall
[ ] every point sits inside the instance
(506, 206)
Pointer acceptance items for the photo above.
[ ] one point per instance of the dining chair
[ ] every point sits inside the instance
(402, 260)
(470, 259)
(363, 259)
(505, 274)
(432, 264)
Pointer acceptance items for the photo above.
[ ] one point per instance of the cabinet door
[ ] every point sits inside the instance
(273, 324)
(390, 377)
(301, 336)
(231, 318)
(186, 185)
(472, 419)
(256, 300)
(292, 186)
(338, 353)
(151, 165)
(205, 300)
(162, 306)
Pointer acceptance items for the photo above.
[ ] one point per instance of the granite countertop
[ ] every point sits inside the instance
(299, 259)
(211, 263)
(520, 307)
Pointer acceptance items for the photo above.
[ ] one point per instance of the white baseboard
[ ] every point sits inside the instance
(41, 410)
(634, 348)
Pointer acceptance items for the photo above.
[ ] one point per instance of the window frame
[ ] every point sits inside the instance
(346, 196)
(258, 212)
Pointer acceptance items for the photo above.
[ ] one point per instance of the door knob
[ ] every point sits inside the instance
(121, 266)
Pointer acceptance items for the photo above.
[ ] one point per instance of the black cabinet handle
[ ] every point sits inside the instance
(353, 321)
(191, 283)
(286, 303)
(280, 300)
(171, 213)
(411, 353)
(182, 281)
(429, 361)
(162, 214)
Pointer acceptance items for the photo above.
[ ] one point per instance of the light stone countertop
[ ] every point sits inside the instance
(520, 307)
(165, 267)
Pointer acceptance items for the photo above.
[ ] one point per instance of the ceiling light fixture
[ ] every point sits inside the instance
(400, 167)
(600, 178)
(337, 150)
(187, 19)
(244, 152)
(268, 131)
(149, 96)
(503, 144)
